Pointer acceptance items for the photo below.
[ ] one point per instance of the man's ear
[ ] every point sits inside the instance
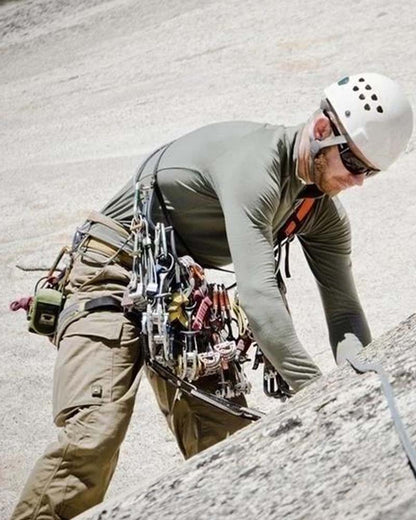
(321, 128)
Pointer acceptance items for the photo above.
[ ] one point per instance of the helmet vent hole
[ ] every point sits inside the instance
(368, 87)
(380, 109)
(367, 106)
(348, 113)
(374, 97)
(355, 88)
(362, 96)
(361, 79)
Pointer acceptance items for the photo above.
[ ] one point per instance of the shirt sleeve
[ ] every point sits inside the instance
(249, 200)
(326, 242)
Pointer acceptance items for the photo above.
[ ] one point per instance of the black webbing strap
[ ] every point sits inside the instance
(208, 398)
(157, 191)
(166, 214)
(361, 368)
(102, 303)
(75, 311)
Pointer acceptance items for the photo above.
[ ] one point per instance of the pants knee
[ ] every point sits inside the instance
(96, 431)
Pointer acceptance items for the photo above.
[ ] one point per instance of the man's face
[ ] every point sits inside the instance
(333, 173)
(330, 175)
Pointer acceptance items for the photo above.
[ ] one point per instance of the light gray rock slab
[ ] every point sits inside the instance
(331, 452)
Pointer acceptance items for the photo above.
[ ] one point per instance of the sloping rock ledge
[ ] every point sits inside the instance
(331, 452)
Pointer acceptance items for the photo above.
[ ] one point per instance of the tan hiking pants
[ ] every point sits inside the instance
(97, 374)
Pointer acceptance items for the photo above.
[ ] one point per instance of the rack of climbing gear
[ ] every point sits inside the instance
(192, 328)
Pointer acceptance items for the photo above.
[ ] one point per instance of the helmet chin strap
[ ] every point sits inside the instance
(316, 145)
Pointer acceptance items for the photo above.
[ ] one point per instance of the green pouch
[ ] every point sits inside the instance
(44, 311)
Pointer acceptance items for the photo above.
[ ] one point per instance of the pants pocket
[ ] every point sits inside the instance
(98, 359)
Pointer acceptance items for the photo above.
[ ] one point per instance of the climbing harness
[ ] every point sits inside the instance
(191, 327)
(44, 308)
(204, 343)
(361, 367)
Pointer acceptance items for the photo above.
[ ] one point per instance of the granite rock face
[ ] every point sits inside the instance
(331, 452)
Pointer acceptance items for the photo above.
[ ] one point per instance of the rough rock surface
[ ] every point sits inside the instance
(331, 452)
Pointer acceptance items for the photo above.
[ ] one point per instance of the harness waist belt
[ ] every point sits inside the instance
(103, 303)
(120, 256)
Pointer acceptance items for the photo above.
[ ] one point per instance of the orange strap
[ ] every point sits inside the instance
(297, 217)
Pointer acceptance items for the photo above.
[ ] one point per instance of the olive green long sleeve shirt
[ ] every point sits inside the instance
(229, 187)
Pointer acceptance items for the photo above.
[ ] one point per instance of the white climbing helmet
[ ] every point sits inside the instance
(375, 113)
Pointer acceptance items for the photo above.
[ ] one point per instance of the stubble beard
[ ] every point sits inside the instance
(320, 174)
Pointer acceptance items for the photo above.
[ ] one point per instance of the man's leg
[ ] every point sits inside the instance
(196, 425)
(97, 374)
(96, 379)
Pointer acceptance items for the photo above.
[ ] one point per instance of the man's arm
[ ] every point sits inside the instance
(326, 241)
(248, 208)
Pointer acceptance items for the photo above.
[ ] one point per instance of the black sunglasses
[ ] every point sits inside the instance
(351, 162)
